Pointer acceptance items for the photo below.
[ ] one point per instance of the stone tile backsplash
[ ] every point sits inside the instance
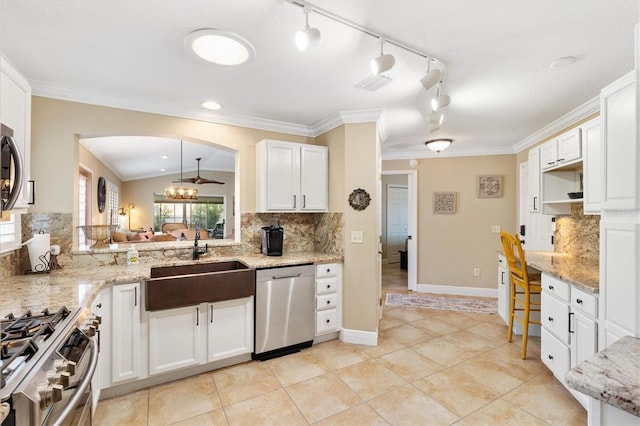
(578, 234)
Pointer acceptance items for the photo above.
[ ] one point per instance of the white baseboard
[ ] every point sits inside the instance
(457, 290)
(359, 337)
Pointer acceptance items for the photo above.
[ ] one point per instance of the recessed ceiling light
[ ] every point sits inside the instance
(163, 170)
(211, 105)
(562, 62)
(164, 157)
(220, 47)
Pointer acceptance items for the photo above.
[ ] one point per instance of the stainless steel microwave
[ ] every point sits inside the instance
(11, 169)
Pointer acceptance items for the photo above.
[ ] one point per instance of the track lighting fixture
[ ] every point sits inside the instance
(383, 62)
(307, 37)
(440, 101)
(432, 77)
(435, 118)
(438, 145)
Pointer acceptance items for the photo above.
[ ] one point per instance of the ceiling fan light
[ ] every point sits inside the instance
(382, 63)
(440, 102)
(431, 78)
(437, 145)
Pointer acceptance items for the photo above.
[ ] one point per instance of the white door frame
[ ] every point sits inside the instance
(412, 213)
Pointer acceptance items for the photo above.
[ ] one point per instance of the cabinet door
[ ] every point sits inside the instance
(584, 342)
(102, 307)
(504, 289)
(592, 170)
(314, 178)
(125, 343)
(230, 328)
(175, 338)
(620, 153)
(283, 176)
(569, 146)
(15, 112)
(534, 181)
(549, 154)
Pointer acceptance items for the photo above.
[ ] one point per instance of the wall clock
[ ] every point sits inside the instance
(102, 194)
(359, 199)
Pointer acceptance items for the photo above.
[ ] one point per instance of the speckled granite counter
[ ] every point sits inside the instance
(79, 286)
(612, 375)
(582, 273)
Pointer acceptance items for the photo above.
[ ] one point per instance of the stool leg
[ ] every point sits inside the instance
(512, 311)
(525, 326)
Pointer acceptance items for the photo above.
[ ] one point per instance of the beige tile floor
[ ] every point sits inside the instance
(431, 367)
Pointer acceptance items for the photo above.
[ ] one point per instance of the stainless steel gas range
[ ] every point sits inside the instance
(48, 364)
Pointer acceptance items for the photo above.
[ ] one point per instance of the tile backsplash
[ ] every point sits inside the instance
(578, 234)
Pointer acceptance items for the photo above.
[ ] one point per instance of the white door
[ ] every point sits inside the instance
(397, 221)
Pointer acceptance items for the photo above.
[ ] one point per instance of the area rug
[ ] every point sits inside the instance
(487, 306)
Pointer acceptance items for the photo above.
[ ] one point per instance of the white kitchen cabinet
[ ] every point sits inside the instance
(230, 328)
(10, 229)
(620, 151)
(15, 112)
(504, 288)
(125, 332)
(328, 298)
(101, 306)
(291, 177)
(565, 149)
(176, 338)
(592, 166)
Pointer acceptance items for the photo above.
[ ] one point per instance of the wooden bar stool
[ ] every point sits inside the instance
(523, 287)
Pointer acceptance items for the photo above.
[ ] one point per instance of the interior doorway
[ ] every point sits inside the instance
(399, 226)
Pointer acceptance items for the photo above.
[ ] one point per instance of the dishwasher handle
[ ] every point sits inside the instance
(282, 277)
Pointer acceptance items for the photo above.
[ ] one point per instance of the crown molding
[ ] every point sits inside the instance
(344, 117)
(561, 123)
(425, 152)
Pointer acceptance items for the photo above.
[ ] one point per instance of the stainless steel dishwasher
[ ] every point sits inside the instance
(285, 310)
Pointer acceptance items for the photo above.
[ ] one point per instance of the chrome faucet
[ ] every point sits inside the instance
(196, 250)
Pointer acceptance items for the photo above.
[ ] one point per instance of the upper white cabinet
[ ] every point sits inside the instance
(15, 113)
(592, 170)
(291, 177)
(620, 153)
(566, 148)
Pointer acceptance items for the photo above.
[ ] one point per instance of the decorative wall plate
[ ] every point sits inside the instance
(102, 194)
(359, 199)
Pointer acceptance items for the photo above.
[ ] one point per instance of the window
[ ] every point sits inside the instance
(206, 210)
(113, 201)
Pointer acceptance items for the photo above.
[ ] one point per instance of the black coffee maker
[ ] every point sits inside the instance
(272, 240)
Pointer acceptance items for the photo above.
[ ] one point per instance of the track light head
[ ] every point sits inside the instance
(435, 118)
(431, 78)
(382, 63)
(440, 102)
(308, 37)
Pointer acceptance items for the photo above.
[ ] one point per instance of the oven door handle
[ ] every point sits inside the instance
(84, 384)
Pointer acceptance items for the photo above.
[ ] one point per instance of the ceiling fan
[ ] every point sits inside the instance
(199, 180)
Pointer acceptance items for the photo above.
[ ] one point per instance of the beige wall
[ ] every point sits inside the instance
(96, 169)
(450, 246)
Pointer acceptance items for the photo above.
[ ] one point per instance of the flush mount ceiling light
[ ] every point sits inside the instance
(383, 62)
(211, 105)
(220, 47)
(307, 37)
(562, 62)
(438, 145)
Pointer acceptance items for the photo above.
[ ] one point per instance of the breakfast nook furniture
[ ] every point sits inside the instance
(523, 286)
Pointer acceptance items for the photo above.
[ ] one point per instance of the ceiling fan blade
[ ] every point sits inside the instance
(190, 180)
(200, 181)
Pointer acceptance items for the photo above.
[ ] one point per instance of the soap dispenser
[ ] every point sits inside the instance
(132, 255)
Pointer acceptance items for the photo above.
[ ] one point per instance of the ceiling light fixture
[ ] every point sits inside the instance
(383, 62)
(435, 118)
(220, 47)
(562, 62)
(438, 145)
(440, 101)
(432, 77)
(211, 105)
(180, 193)
(307, 37)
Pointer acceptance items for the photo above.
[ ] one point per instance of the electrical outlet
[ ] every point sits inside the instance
(495, 229)
(476, 272)
(357, 237)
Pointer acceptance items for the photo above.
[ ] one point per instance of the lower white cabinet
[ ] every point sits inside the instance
(184, 337)
(328, 298)
(504, 288)
(125, 344)
(569, 328)
(230, 328)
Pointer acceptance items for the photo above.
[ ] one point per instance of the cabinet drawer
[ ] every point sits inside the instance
(555, 317)
(585, 302)
(554, 354)
(326, 321)
(326, 301)
(558, 288)
(327, 270)
(326, 285)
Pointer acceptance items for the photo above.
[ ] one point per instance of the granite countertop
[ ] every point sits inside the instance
(580, 272)
(78, 287)
(612, 375)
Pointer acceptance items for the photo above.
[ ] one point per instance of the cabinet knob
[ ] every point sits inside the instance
(99, 305)
(579, 301)
(550, 319)
(328, 302)
(550, 356)
(328, 321)
(328, 285)
(328, 270)
(550, 287)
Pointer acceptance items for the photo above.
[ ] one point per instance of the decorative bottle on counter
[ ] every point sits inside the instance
(132, 255)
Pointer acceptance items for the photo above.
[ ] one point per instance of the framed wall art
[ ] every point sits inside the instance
(445, 202)
(489, 186)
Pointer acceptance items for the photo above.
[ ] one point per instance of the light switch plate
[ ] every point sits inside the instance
(357, 237)
(495, 229)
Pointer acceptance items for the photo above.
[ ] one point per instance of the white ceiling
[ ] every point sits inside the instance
(131, 54)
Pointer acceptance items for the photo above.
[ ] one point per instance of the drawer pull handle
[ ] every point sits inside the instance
(550, 319)
(550, 287)
(550, 356)
(328, 321)
(579, 301)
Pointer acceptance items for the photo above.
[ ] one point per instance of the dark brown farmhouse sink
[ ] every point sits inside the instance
(187, 285)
